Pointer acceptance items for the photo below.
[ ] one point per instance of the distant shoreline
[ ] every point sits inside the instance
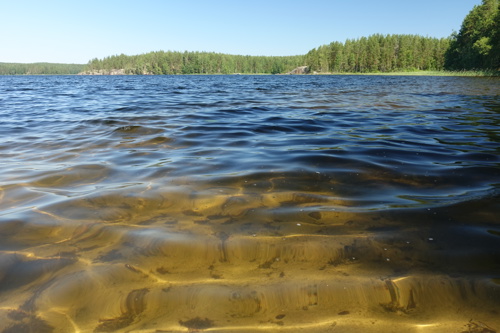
(414, 73)
(423, 73)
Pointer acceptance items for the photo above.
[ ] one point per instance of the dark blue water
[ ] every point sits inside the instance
(191, 184)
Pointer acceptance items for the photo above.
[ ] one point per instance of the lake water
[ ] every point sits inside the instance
(249, 204)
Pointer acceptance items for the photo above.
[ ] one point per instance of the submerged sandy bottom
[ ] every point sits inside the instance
(244, 262)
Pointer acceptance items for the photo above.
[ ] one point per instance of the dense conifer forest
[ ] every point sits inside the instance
(379, 53)
(376, 53)
(39, 68)
(475, 47)
(194, 63)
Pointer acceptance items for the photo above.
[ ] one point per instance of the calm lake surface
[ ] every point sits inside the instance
(249, 204)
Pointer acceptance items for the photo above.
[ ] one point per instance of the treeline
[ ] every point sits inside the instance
(172, 62)
(376, 53)
(477, 44)
(39, 68)
(379, 53)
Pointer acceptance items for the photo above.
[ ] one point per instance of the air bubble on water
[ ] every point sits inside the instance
(298, 224)
(430, 238)
(387, 259)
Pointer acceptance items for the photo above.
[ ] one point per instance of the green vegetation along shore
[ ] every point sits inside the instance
(484, 73)
(473, 51)
(194, 63)
(376, 53)
(39, 68)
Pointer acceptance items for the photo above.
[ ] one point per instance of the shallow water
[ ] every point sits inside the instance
(249, 203)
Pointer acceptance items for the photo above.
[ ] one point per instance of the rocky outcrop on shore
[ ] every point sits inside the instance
(104, 72)
(299, 70)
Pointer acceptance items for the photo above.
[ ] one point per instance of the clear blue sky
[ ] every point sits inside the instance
(76, 31)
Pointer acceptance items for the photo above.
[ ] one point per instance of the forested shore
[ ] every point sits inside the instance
(377, 53)
(475, 48)
(39, 68)
(171, 62)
